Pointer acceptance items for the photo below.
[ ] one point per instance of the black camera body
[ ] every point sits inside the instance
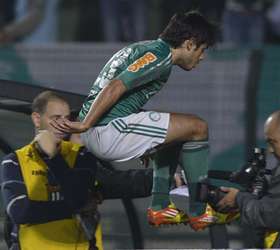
(252, 176)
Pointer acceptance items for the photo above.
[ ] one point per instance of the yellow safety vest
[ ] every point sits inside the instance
(65, 234)
(270, 238)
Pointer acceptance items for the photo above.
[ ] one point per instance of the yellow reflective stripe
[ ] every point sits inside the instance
(270, 237)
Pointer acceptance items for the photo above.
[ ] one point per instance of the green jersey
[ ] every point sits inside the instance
(143, 68)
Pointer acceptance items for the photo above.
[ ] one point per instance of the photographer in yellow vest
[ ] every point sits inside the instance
(46, 183)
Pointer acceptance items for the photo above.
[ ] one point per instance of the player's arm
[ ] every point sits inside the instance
(107, 97)
(104, 101)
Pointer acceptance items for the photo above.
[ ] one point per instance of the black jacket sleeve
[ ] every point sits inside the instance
(262, 213)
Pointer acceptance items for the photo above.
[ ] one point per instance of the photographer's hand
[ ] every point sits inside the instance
(229, 201)
(47, 142)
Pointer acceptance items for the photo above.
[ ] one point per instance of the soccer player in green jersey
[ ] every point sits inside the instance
(114, 128)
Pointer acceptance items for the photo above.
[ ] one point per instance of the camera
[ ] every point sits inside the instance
(252, 176)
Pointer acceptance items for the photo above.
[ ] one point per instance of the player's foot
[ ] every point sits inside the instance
(167, 216)
(211, 217)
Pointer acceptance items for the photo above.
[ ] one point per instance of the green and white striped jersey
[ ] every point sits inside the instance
(143, 67)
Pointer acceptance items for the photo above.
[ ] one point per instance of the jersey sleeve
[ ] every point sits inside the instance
(146, 67)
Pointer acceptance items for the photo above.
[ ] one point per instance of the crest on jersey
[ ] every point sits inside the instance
(154, 116)
(143, 61)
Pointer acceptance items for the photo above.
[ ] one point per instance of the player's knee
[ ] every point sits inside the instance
(201, 130)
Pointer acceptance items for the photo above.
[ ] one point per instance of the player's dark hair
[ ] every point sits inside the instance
(190, 25)
(41, 101)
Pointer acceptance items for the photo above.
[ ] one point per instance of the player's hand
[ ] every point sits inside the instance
(69, 127)
(229, 199)
(47, 142)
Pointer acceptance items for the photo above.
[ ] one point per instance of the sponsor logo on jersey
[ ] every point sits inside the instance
(143, 61)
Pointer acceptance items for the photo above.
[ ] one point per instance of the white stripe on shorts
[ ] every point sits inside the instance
(139, 129)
